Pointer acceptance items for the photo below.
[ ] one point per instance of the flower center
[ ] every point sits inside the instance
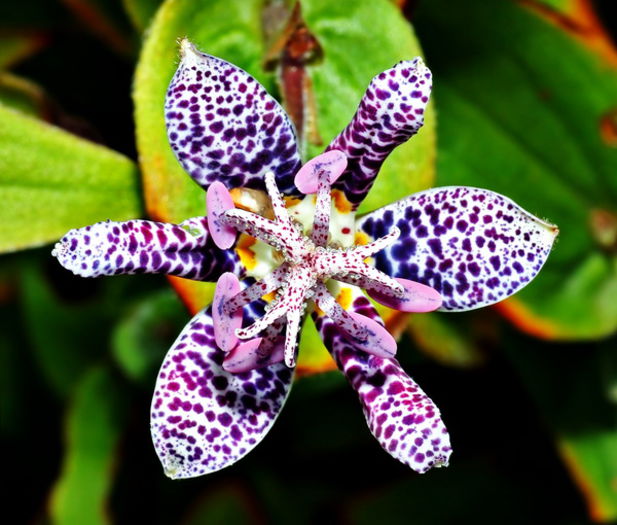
(309, 262)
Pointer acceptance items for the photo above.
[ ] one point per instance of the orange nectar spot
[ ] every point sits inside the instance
(361, 238)
(291, 201)
(340, 202)
(395, 322)
(344, 298)
(269, 297)
(318, 310)
(608, 128)
(243, 249)
(193, 294)
(518, 314)
(236, 195)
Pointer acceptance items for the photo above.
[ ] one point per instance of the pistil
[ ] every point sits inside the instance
(309, 262)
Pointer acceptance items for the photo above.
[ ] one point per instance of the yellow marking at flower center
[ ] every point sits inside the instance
(341, 202)
(291, 201)
(344, 298)
(269, 297)
(361, 238)
(243, 249)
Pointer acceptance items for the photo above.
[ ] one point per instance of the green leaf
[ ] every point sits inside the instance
(93, 429)
(229, 504)
(573, 387)
(447, 340)
(562, 6)
(360, 40)
(143, 336)
(233, 31)
(373, 37)
(66, 339)
(16, 47)
(22, 95)
(522, 108)
(52, 181)
(141, 12)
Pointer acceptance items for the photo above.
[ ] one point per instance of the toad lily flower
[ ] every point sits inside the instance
(282, 239)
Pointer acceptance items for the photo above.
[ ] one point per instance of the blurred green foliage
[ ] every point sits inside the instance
(524, 104)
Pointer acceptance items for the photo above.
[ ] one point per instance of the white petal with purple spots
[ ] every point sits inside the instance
(473, 246)
(390, 112)
(401, 416)
(222, 125)
(130, 247)
(203, 418)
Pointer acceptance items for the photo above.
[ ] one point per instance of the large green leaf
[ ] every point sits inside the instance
(94, 425)
(52, 181)
(359, 40)
(141, 12)
(574, 390)
(66, 337)
(521, 106)
(143, 336)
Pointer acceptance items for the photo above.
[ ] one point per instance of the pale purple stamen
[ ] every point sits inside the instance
(321, 224)
(270, 282)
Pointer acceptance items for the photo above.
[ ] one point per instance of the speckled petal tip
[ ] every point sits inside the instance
(475, 247)
(222, 125)
(203, 418)
(114, 248)
(391, 111)
(400, 415)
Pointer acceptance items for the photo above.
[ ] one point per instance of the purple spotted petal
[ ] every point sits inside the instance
(474, 246)
(203, 418)
(113, 248)
(222, 125)
(400, 415)
(391, 111)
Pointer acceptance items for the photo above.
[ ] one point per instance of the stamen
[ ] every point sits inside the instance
(270, 282)
(321, 224)
(369, 275)
(218, 201)
(277, 310)
(278, 204)
(226, 322)
(284, 238)
(301, 280)
(416, 298)
(335, 311)
(368, 250)
(333, 161)
(368, 335)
